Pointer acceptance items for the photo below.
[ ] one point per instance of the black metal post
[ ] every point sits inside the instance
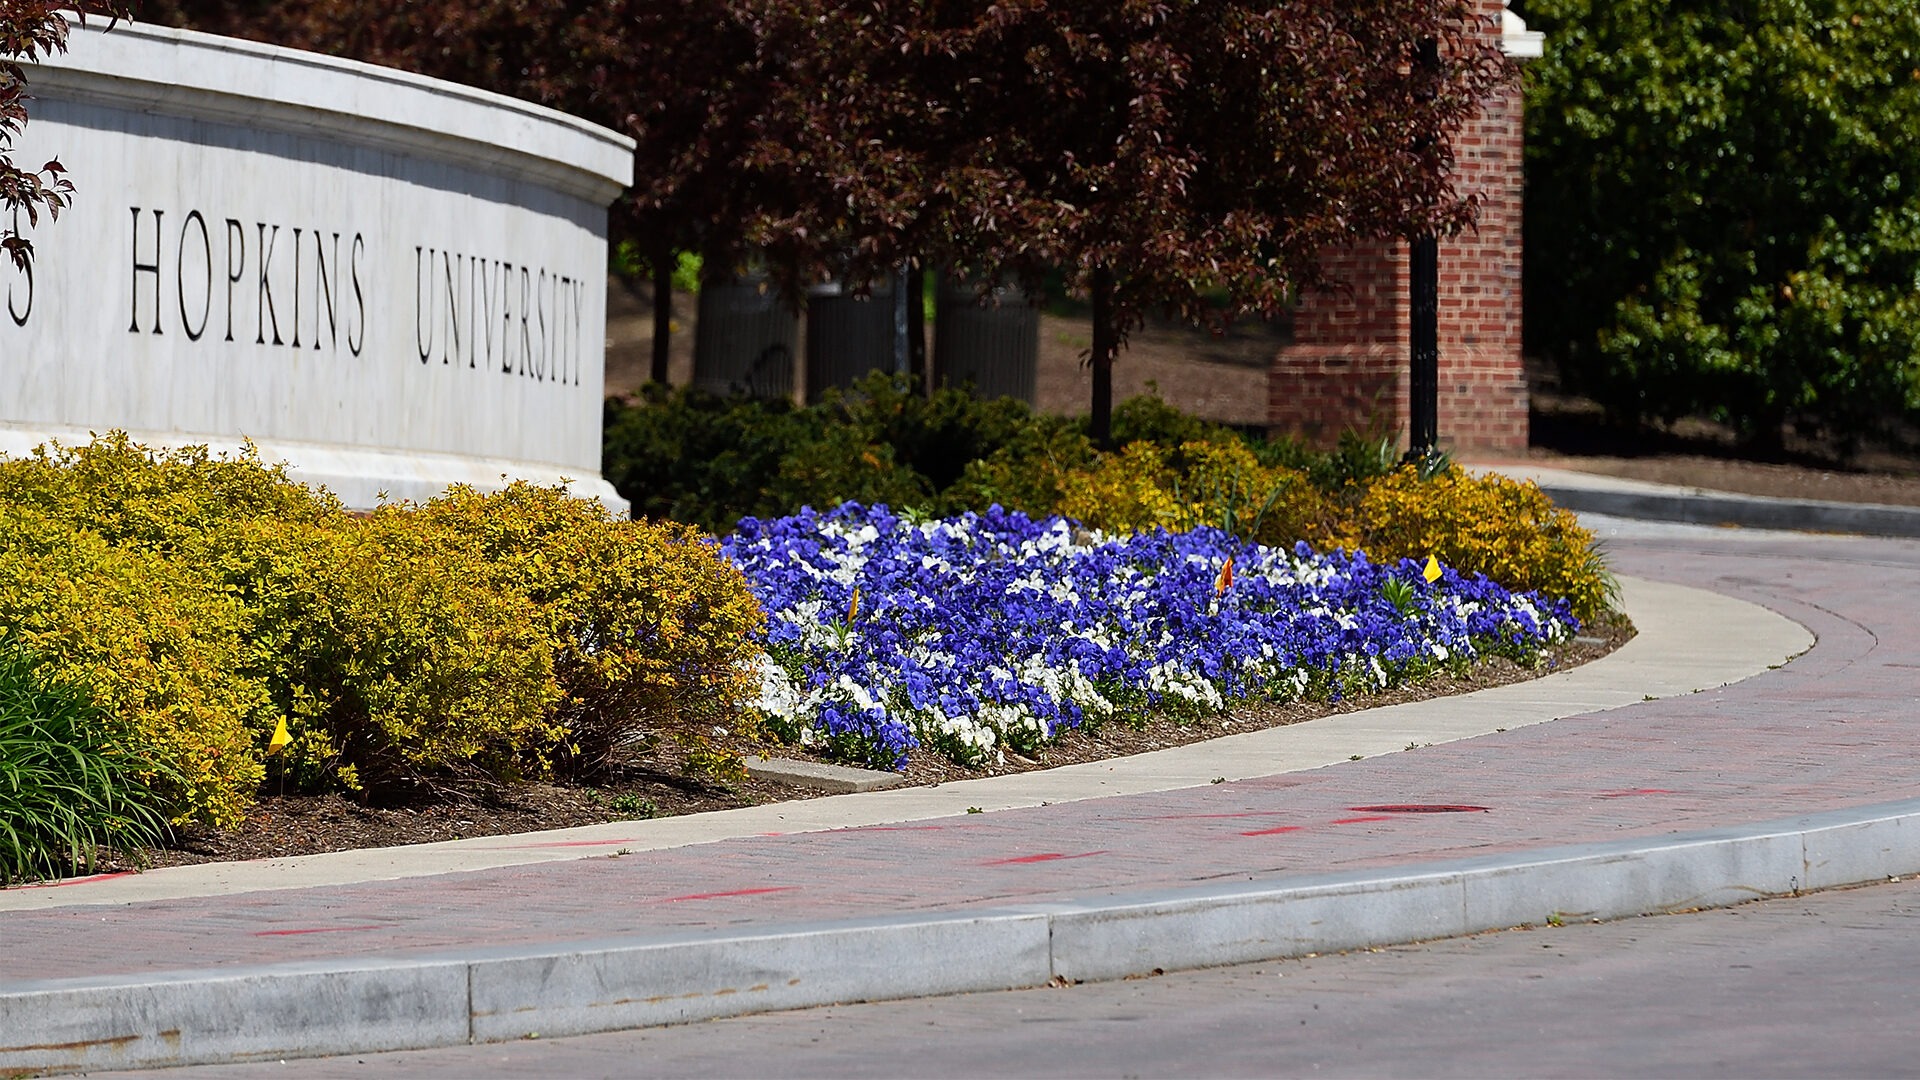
(1423, 303)
(1423, 274)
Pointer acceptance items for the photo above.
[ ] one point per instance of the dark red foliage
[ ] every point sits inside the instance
(31, 30)
(1194, 156)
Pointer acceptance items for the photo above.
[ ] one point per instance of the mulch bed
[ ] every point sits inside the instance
(283, 825)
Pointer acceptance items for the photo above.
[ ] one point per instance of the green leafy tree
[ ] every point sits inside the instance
(31, 30)
(1723, 203)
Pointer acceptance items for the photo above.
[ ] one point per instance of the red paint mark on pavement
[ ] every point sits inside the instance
(1050, 856)
(316, 930)
(1630, 792)
(1360, 819)
(1273, 832)
(724, 895)
(87, 880)
(895, 828)
(1421, 808)
(1202, 817)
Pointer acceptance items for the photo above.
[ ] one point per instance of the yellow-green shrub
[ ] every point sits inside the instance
(1201, 483)
(158, 643)
(231, 597)
(1025, 474)
(157, 499)
(1127, 492)
(393, 653)
(650, 629)
(1229, 488)
(1505, 529)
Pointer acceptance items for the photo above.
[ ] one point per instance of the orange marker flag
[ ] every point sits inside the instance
(1225, 581)
(1432, 572)
(281, 738)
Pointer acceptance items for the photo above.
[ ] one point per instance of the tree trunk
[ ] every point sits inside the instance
(902, 352)
(917, 326)
(1105, 344)
(662, 311)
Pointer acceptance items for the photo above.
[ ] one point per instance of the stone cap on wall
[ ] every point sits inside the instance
(1519, 42)
(185, 73)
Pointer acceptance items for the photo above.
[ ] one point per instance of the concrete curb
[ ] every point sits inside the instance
(1645, 501)
(485, 995)
(834, 779)
(1750, 511)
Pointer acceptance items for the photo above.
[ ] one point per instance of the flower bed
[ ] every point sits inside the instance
(984, 631)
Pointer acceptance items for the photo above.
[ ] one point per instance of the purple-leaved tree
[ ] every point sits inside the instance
(1191, 156)
(31, 30)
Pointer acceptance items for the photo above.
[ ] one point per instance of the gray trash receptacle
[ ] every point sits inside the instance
(993, 344)
(847, 336)
(744, 342)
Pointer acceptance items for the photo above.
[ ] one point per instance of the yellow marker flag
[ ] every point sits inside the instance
(280, 739)
(853, 606)
(1432, 572)
(1225, 581)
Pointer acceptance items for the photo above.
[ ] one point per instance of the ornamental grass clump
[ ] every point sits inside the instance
(68, 790)
(997, 631)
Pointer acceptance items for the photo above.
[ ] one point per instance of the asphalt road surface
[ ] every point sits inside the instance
(1825, 985)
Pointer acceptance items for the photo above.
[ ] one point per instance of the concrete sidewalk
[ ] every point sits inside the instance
(1642, 796)
(1684, 644)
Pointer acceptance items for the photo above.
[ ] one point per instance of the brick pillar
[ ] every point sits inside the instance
(1347, 365)
(1483, 385)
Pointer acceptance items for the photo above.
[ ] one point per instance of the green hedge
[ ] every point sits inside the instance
(690, 456)
(1722, 212)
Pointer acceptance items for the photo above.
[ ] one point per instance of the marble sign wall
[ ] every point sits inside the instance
(391, 283)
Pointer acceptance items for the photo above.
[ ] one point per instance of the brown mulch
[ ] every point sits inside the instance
(283, 825)
(1570, 432)
(1830, 484)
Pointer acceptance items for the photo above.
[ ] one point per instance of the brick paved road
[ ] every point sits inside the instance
(1836, 728)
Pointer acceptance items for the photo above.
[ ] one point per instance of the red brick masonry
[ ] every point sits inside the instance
(1347, 367)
